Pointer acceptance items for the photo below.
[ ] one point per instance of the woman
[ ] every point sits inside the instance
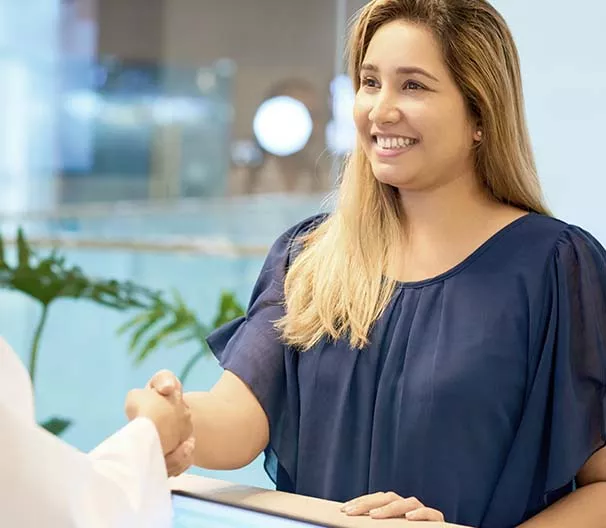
(439, 337)
(122, 482)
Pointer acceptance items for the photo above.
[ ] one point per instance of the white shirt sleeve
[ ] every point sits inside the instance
(45, 482)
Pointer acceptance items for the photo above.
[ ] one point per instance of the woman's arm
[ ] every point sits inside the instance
(584, 507)
(230, 427)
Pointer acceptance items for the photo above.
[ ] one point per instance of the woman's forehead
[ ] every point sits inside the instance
(401, 44)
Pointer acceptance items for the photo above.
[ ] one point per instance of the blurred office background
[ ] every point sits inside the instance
(169, 142)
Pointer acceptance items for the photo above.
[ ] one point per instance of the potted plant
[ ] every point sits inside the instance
(158, 321)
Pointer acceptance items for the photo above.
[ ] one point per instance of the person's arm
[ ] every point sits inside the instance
(230, 427)
(46, 482)
(578, 374)
(584, 507)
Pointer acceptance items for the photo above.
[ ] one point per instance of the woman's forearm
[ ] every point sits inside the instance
(584, 507)
(227, 436)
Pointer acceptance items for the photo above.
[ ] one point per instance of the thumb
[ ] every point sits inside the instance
(165, 383)
(166, 387)
(132, 404)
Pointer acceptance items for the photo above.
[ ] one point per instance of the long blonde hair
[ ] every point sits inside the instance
(337, 286)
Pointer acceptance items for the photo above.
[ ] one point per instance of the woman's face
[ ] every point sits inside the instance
(412, 120)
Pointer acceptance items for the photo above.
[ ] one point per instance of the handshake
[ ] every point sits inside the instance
(162, 402)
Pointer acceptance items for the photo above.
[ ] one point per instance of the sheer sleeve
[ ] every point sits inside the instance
(562, 423)
(576, 344)
(250, 347)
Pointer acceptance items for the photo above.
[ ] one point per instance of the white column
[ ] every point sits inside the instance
(28, 104)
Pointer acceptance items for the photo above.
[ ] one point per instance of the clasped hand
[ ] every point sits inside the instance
(162, 402)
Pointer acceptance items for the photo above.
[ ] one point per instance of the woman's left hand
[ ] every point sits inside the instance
(390, 505)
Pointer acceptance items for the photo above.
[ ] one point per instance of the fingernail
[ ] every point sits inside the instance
(349, 509)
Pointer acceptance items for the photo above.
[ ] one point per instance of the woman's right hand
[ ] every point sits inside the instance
(228, 417)
(170, 414)
(181, 458)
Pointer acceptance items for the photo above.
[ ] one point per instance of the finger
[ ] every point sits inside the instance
(397, 508)
(178, 462)
(361, 499)
(364, 504)
(181, 458)
(425, 514)
(165, 382)
(188, 426)
(359, 503)
(178, 467)
(131, 403)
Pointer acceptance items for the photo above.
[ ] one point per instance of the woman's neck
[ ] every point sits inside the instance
(442, 226)
(446, 210)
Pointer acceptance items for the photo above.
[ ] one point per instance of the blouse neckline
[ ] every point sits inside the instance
(467, 260)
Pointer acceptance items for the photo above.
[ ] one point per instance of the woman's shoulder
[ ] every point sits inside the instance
(544, 236)
(307, 225)
(535, 227)
(557, 236)
(291, 239)
(538, 246)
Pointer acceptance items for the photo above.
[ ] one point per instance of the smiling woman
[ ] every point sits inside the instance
(434, 348)
(414, 123)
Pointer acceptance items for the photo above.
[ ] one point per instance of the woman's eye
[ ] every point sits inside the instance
(412, 85)
(368, 81)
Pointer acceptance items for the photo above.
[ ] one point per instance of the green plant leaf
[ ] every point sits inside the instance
(191, 364)
(153, 317)
(229, 309)
(192, 335)
(132, 323)
(154, 341)
(3, 264)
(56, 425)
(157, 322)
(168, 324)
(23, 250)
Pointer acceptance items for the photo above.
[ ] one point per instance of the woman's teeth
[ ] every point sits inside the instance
(395, 142)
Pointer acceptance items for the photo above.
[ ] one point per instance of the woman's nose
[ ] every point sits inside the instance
(384, 111)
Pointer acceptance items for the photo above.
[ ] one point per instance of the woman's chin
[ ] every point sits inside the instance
(394, 177)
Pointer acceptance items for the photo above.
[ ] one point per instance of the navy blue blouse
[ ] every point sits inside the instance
(481, 392)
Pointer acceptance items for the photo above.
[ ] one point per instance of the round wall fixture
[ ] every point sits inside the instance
(282, 125)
